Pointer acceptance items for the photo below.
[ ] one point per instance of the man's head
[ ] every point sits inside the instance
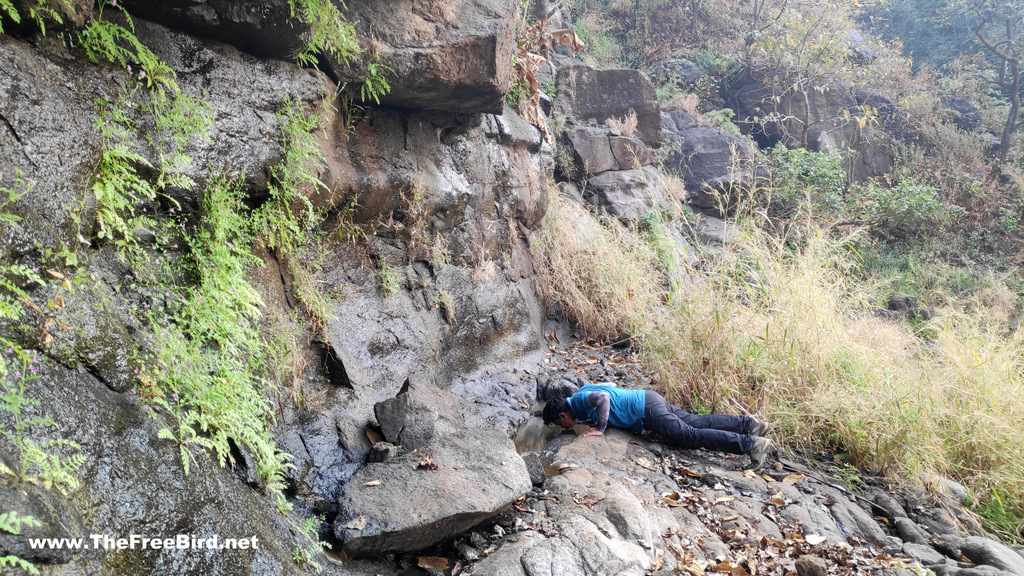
(557, 412)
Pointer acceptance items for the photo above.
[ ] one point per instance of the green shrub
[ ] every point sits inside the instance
(907, 209)
(809, 182)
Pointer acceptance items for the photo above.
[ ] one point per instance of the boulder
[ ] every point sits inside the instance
(603, 94)
(966, 115)
(716, 233)
(770, 116)
(808, 565)
(592, 151)
(454, 56)
(629, 194)
(674, 121)
(909, 531)
(419, 413)
(712, 162)
(430, 494)
(556, 388)
(866, 151)
(925, 555)
(988, 552)
(630, 153)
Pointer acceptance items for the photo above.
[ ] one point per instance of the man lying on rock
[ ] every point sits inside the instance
(639, 410)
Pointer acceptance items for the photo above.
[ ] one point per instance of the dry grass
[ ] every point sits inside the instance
(688, 103)
(783, 332)
(627, 125)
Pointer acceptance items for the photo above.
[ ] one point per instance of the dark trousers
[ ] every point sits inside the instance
(681, 429)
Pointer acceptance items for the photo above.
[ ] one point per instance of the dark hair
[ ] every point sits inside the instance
(553, 408)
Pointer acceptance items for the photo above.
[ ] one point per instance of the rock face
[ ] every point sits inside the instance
(454, 56)
(133, 483)
(449, 478)
(52, 97)
(859, 126)
(466, 318)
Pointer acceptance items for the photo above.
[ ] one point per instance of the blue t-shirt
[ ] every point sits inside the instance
(626, 410)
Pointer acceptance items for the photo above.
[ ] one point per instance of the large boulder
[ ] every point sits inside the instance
(586, 93)
(448, 55)
(714, 163)
(419, 413)
(440, 486)
(965, 114)
(629, 194)
(867, 152)
(772, 115)
(592, 152)
(991, 553)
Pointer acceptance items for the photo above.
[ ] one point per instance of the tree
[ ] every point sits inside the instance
(999, 27)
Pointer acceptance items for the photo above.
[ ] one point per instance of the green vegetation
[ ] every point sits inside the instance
(212, 361)
(11, 523)
(40, 12)
(50, 463)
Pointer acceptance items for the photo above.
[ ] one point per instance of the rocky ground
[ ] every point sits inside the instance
(626, 504)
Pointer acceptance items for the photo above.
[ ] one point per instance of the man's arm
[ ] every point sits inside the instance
(603, 402)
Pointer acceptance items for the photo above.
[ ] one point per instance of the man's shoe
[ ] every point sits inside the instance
(760, 428)
(759, 452)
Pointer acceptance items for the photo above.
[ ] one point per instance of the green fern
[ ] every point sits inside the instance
(11, 523)
(329, 33)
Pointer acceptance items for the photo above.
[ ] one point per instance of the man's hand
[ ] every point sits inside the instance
(592, 432)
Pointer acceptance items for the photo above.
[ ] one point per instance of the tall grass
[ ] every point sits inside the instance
(786, 332)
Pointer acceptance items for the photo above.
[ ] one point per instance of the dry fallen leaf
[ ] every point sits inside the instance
(357, 523)
(373, 436)
(672, 499)
(793, 479)
(814, 539)
(433, 562)
(658, 561)
(750, 474)
(768, 478)
(373, 482)
(427, 463)
(694, 569)
(724, 499)
(687, 472)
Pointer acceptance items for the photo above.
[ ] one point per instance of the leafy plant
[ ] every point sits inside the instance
(329, 33)
(208, 353)
(309, 543)
(723, 118)
(389, 279)
(813, 182)
(120, 188)
(11, 523)
(38, 462)
(905, 209)
(39, 11)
